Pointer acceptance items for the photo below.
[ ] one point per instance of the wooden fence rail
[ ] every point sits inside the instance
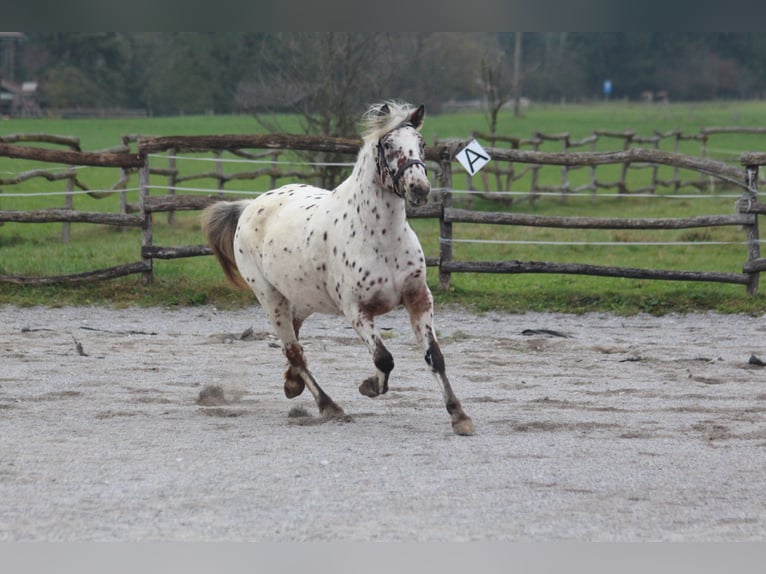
(501, 176)
(441, 156)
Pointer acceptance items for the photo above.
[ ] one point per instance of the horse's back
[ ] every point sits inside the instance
(276, 206)
(280, 245)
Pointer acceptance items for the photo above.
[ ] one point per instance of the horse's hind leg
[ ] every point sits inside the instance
(281, 318)
(294, 383)
(419, 304)
(294, 353)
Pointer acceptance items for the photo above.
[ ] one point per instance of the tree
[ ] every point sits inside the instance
(445, 67)
(81, 68)
(517, 73)
(327, 78)
(495, 86)
(190, 72)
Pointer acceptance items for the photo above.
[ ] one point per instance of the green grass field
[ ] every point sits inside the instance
(37, 249)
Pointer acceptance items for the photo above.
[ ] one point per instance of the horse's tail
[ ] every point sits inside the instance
(219, 224)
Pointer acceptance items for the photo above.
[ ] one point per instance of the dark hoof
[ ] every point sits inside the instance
(332, 410)
(294, 384)
(463, 426)
(294, 387)
(369, 388)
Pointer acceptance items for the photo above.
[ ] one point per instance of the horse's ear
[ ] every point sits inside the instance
(416, 119)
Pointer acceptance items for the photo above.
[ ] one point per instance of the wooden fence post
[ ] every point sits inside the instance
(676, 172)
(753, 240)
(622, 186)
(533, 185)
(565, 168)
(219, 172)
(172, 174)
(146, 235)
(125, 177)
(274, 168)
(445, 227)
(124, 194)
(68, 204)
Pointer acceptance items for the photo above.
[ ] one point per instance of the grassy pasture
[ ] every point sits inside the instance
(36, 249)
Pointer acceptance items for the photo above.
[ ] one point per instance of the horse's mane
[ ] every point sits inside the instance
(376, 121)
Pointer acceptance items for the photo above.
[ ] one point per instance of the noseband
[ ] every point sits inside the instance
(395, 176)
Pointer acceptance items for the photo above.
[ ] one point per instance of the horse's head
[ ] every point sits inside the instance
(400, 159)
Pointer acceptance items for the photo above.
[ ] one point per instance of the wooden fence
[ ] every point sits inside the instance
(503, 175)
(147, 160)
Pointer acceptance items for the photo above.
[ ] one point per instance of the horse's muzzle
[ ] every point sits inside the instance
(417, 194)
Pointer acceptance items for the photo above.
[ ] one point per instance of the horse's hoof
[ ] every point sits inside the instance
(463, 426)
(294, 383)
(369, 387)
(294, 387)
(332, 411)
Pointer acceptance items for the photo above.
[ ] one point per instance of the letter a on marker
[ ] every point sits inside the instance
(473, 157)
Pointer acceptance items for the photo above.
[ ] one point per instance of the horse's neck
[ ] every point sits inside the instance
(364, 192)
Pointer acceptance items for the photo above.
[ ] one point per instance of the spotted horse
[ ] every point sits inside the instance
(349, 251)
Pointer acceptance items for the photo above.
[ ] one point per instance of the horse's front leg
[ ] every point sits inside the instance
(364, 325)
(419, 304)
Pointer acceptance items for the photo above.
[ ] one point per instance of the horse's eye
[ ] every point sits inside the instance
(387, 145)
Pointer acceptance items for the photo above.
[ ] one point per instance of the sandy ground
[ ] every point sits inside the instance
(637, 428)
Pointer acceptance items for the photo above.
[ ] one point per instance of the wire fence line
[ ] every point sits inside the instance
(600, 195)
(66, 193)
(213, 190)
(209, 191)
(595, 243)
(154, 152)
(206, 190)
(253, 161)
